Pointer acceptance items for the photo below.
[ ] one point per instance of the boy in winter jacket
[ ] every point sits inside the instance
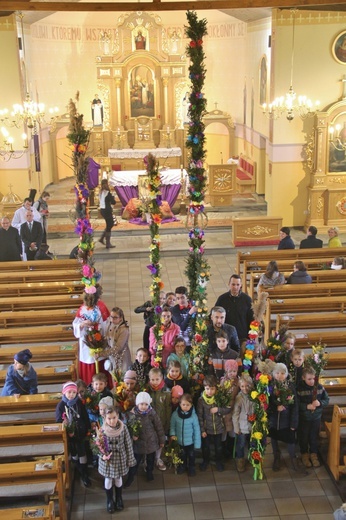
(311, 403)
(211, 423)
(222, 353)
(185, 429)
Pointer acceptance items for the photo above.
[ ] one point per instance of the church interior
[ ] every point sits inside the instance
(272, 158)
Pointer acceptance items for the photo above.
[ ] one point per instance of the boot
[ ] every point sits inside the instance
(314, 460)
(102, 239)
(110, 502)
(294, 464)
(119, 504)
(277, 461)
(240, 464)
(108, 240)
(84, 474)
(306, 460)
(130, 476)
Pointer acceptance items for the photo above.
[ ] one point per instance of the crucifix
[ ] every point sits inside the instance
(216, 105)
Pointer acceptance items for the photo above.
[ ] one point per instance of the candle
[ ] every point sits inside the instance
(118, 131)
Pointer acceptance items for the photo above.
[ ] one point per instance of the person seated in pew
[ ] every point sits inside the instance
(300, 274)
(286, 241)
(338, 263)
(21, 378)
(43, 253)
(311, 242)
(334, 240)
(271, 277)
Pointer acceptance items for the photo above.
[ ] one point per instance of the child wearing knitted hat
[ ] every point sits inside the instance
(21, 378)
(104, 404)
(176, 394)
(72, 413)
(148, 437)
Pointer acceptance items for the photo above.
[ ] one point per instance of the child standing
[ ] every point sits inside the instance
(71, 411)
(98, 388)
(161, 402)
(219, 356)
(243, 407)
(176, 394)
(283, 415)
(287, 347)
(311, 403)
(120, 460)
(174, 377)
(211, 423)
(104, 404)
(142, 366)
(296, 366)
(21, 378)
(180, 355)
(185, 429)
(149, 438)
(232, 381)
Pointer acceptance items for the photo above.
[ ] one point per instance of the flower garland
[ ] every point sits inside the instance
(259, 420)
(78, 138)
(250, 347)
(155, 201)
(197, 268)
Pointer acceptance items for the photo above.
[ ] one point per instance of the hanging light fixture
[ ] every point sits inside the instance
(291, 104)
(7, 151)
(29, 114)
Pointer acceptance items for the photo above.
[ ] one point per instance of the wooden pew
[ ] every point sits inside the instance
(336, 360)
(49, 375)
(333, 431)
(43, 317)
(332, 338)
(265, 255)
(16, 476)
(318, 276)
(306, 290)
(42, 288)
(48, 439)
(49, 353)
(62, 275)
(28, 409)
(40, 265)
(46, 512)
(307, 320)
(37, 334)
(333, 385)
(53, 301)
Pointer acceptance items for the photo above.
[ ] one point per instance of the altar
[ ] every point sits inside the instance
(126, 184)
(132, 159)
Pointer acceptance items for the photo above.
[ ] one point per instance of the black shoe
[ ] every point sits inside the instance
(129, 481)
(277, 462)
(181, 470)
(110, 502)
(84, 474)
(150, 476)
(119, 504)
(192, 472)
(203, 466)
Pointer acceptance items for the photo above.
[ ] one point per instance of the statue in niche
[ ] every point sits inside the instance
(174, 40)
(97, 111)
(142, 92)
(105, 42)
(140, 40)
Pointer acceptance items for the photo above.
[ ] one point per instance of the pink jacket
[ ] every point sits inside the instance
(167, 340)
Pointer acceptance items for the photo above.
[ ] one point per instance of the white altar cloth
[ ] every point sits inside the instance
(128, 153)
(130, 178)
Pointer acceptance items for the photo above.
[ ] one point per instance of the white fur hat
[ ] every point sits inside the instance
(108, 401)
(143, 397)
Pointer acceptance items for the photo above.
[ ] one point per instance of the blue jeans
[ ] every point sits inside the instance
(241, 440)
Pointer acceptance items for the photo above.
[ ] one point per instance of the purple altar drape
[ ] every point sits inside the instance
(169, 192)
(93, 174)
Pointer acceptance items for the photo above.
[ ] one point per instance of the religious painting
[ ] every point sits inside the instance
(140, 39)
(263, 75)
(339, 48)
(337, 145)
(142, 92)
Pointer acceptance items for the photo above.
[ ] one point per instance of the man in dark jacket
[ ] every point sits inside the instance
(218, 316)
(238, 307)
(286, 241)
(310, 242)
(31, 234)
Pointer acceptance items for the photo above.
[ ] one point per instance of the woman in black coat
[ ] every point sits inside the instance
(106, 202)
(10, 242)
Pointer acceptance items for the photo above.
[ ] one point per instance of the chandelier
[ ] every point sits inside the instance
(291, 104)
(7, 151)
(337, 137)
(28, 115)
